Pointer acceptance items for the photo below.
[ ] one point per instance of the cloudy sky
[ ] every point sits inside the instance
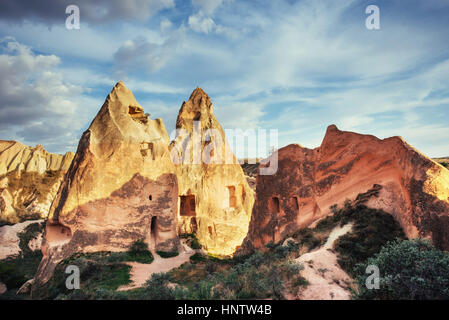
(295, 66)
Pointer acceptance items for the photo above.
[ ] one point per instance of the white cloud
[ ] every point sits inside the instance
(297, 66)
(153, 87)
(231, 115)
(36, 104)
(78, 43)
(207, 6)
(165, 25)
(140, 52)
(200, 23)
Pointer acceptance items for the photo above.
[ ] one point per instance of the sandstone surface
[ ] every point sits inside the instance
(29, 180)
(121, 187)
(215, 198)
(17, 156)
(385, 174)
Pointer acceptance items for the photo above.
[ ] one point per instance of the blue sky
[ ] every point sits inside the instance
(295, 66)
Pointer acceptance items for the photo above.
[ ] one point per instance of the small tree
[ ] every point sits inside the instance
(409, 269)
(138, 246)
(157, 288)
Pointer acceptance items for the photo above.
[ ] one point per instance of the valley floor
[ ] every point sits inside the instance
(141, 272)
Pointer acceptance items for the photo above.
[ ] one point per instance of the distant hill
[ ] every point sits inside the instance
(29, 180)
(443, 161)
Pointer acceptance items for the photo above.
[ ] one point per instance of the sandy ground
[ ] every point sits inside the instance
(327, 281)
(9, 241)
(141, 272)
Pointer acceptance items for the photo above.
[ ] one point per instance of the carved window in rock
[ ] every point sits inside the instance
(153, 228)
(58, 233)
(147, 149)
(137, 114)
(193, 224)
(187, 205)
(294, 203)
(232, 197)
(273, 205)
(243, 193)
(197, 116)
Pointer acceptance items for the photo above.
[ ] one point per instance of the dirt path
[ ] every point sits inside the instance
(9, 241)
(141, 272)
(327, 281)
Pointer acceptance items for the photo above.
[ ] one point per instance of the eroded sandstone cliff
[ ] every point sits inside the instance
(29, 180)
(121, 187)
(384, 174)
(215, 198)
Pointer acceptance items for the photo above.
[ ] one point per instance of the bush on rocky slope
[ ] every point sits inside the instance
(372, 229)
(100, 273)
(410, 269)
(268, 275)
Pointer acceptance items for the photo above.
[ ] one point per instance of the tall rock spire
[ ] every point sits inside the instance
(216, 200)
(121, 187)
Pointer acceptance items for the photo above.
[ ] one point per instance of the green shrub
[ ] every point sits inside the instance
(101, 273)
(197, 257)
(372, 229)
(275, 284)
(211, 267)
(138, 252)
(300, 282)
(167, 254)
(11, 275)
(138, 246)
(202, 290)
(192, 240)
(99, 278)
(270, 245)
(157, 287)
(409, 269)
(256, 259)
(306, 237)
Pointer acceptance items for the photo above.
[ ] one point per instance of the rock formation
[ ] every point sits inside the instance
(215, 198)
(29, 180)
(15, 156)
(121, 187)
(384, 174)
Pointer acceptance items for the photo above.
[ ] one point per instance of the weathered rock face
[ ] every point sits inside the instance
(383, 174)
(15, 156)
(121, 187)
(29, 180)
(215, 198)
